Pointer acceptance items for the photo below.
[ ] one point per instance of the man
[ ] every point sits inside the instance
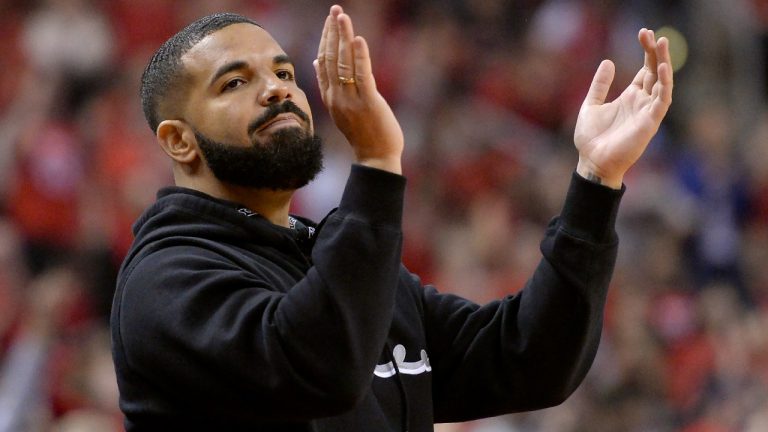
(232, 315)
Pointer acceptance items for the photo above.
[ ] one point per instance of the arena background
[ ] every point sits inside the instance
(487, 92)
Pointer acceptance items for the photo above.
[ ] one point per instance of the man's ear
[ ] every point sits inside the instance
(177, 140)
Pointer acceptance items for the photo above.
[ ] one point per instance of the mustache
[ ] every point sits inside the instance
(275, 110)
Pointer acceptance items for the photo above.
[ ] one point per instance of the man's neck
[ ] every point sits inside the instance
(270, 204)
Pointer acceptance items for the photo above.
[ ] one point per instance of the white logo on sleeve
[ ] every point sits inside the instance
(387, 370)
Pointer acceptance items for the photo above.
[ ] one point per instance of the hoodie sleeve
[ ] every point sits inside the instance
(531, 350)
(226, 343)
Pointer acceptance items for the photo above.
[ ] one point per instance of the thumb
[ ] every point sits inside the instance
(601, 83)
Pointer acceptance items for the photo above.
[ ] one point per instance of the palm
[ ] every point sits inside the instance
(616, 133)
(610, 137)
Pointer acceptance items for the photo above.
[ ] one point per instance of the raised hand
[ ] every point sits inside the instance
(348, 90)
(610, 137)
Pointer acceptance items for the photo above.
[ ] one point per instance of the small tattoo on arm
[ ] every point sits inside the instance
(594, 178)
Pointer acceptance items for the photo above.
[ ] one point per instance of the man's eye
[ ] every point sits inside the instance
(233, 83)
(284, 75)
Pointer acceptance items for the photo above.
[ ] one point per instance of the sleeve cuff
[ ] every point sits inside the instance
(590, 210)
(374, 195)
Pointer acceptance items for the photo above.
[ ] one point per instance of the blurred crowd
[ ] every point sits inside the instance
(487, 92)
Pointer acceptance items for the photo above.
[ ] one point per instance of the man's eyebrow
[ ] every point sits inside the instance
(282, 59)
(227, 68)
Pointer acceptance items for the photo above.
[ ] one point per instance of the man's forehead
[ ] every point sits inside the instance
(235, 42)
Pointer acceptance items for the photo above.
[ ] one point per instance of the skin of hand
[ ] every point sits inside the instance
(358, 109)
(611, 137)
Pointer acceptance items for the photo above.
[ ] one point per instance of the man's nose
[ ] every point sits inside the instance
(274, 91)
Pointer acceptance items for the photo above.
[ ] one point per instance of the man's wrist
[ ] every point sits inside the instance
(393, 165)
(589, 172)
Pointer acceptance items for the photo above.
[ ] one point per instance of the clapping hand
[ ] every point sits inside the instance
(610, 137)
(348, 90)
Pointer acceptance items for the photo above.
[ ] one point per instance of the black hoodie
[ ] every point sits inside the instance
(223, 321)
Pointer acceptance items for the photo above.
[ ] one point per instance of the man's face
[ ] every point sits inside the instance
(252, 122)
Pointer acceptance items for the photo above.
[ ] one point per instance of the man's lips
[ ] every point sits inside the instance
(280, 120)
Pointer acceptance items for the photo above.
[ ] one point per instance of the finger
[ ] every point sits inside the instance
(648, 42)
(346, 66)
(638, 80)
(322, 78)
(363, 68)
(639, 77)
(332, 46)
(323, 38)
(319, 64)
(662, 90)
(662, 51)
(601, 83)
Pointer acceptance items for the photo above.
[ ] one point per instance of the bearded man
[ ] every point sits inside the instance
(232, 315)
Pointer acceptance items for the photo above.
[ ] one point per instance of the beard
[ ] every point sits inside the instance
(290, 158)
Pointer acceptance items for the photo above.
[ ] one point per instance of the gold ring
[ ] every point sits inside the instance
(345, 80)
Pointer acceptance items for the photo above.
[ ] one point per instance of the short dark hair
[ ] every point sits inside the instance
(165, 68)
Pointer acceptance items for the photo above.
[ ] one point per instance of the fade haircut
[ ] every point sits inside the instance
(165, 69)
